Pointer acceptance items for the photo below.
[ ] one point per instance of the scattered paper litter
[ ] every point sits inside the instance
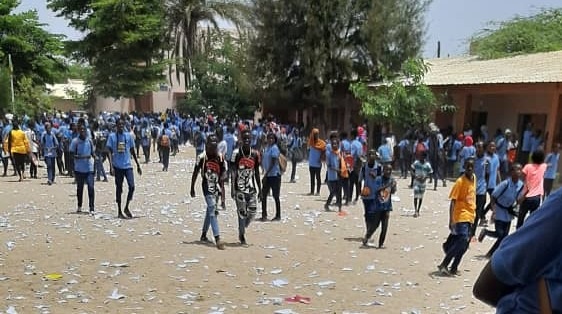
(115, 295)
(279, 283)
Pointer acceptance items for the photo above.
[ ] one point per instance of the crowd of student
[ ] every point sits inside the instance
(494, 173)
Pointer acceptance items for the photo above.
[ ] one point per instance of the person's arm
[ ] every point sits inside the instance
(194, 177)
(451, 209)
(257, 177)
(134, 155)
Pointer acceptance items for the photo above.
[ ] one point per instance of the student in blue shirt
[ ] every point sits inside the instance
(357, 153)
(83, 151)
(551, 161)
(334, 169)
(50, 144)
(503, 200)
(272, 177)
(482, 172)
(377, 198)
(526, 266)
(121, 148)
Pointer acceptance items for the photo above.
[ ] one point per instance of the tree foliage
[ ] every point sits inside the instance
(221, 85)
(303, 47)
(402, 99)
(541, 32)
(124, 43)
(184, 21)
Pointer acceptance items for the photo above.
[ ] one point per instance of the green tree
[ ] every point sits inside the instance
(220, 85)
(124, 43)
(541, 32)
(401, 99)
(185, 18)
(5, 90)
(303, 48)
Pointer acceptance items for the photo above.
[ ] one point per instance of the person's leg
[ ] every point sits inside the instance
(346, 196)
(338, 193)
(119, 177)
(331, 189)
(523, 210)
(480, 202)
(146, 153)
(265, 191)
(165, 157)
(547, 187)
(384, 228)
(211, 219)
(91, 193)
(5, 164)
(369, 228)
(50, 161)
(463, 231)
(318, 182)
(293, 169)
(276, 191)
(312, 178)
(502, 230)
(80, 180)
(242, 210)
(131, 183)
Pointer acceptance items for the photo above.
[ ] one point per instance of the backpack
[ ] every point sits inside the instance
(165, 140)
(349, 160)
(510, 209)
(282, 163)
(344, 172)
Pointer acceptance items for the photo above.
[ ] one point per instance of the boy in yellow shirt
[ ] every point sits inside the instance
(462, 212)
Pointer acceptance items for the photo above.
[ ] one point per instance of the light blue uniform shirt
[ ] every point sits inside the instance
(332, 162)
(314, 156)
(269, 153)
(120, 146)
(551, 161)
(481, 167)
(82, 151)
(50, 144)
(493, 170)
(506, 194)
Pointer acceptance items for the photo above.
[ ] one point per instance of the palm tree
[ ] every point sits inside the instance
(185, 17)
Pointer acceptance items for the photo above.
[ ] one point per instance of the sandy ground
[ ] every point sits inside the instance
(155, 264)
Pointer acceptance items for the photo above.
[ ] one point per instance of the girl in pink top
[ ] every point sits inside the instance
(533, 175)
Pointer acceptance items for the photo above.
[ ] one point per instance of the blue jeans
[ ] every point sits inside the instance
(50, 163)
(88, 179)
(210, 217)
(459, 245)
(98, 166)
(121, 174)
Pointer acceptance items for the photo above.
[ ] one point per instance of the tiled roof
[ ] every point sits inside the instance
(532, 68)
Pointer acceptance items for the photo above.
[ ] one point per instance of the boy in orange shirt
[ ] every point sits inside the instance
(462, 212)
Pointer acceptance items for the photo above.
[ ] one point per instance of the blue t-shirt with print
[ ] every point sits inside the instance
(82, 151)
(120, 145)
(271, 152)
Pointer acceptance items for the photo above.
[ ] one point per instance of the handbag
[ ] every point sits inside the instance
(365, 191)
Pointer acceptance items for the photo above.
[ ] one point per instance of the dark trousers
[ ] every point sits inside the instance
(293, 168)
(88, 179)
(354, 184)
(449, 168)
(50, 162)
(529, 205)
(120, 175)
(335, 187)
(146, 153)
(19, 163)
(273, 184)
(98, 166)
(502, 230)
(404, 167)
(314, 179)
(480, 213)
(32, 166)
(547, 183)
(5, 161)
(345, 190)
(458, 245)
(372, 222)
(165, 157)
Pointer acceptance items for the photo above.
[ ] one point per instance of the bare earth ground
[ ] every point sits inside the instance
(154, 264)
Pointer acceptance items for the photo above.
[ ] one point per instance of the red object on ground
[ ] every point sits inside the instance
(298, 299)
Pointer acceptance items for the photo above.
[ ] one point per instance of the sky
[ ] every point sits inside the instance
(452, 22)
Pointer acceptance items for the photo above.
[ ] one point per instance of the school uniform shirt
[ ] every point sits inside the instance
(269, 153)
(82, 151)
(493, 167)
(551, 161)
(50, 144)
(314, 157)
(506, 194)
(333, 162)
(385, 153)
(529, 254)
(120, 146)
(403, 147)
(369, 175)
(230, 143)
(454, 152)
(501, 147)
(464, 194)
(527, 137)
(466, 152)
(145, 136)
(481, 168)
